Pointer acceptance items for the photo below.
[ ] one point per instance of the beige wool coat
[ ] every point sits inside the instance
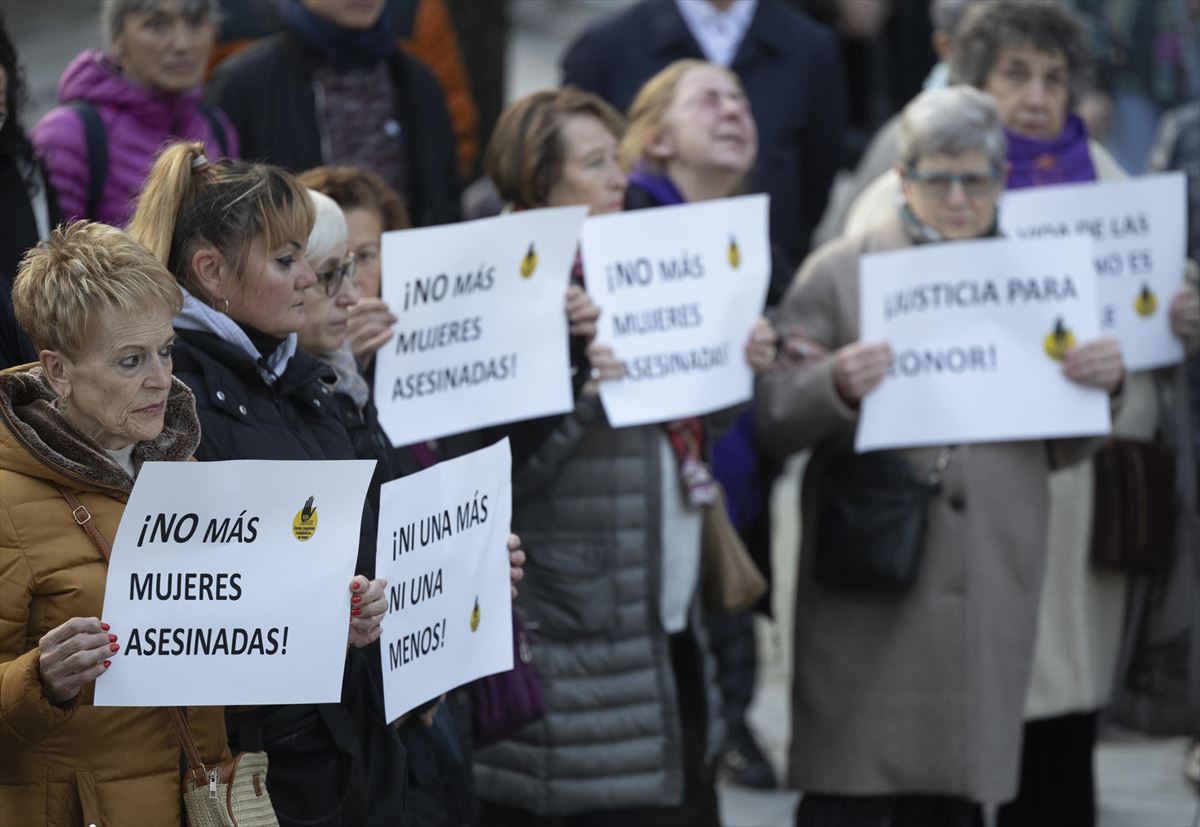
(921, 693)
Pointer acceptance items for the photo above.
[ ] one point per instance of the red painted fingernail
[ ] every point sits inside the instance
(104, 626)
(356, 611)
(355, 585)
(356, 598)
(107, 664)
(112, 638)
(114, 646)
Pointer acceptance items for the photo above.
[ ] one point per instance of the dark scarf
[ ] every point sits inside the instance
(1062, 160)
(344, 48)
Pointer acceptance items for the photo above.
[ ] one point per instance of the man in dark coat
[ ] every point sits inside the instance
(316, 94)
(790, 70)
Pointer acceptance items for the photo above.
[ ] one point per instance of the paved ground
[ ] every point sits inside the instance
(1139, 778)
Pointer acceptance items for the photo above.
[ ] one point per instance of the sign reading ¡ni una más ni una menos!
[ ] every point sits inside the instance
(229, 583)
(1137, 227)
(482, 337)
(979, 330)
(443, 536)
(680, 289)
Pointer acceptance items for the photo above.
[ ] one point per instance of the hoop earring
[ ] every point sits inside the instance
(225, 301)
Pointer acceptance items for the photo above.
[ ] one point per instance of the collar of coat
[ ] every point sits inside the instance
(37, 442)
(669, 32)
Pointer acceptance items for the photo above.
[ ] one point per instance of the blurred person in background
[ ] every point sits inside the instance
(691, 138)
(333, 88)
(907, 708)
(27, 202)
(119, 106)
(788, 66)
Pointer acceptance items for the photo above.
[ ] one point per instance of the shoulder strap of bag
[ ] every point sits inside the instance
(97, 154)
(83, 518)
(218, 128)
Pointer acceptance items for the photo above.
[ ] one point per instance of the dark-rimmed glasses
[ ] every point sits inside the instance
(331, 280)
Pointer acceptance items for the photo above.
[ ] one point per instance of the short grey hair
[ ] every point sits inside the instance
(952, 121)
(329, 228)
(990, 28)
(114, 12)
(944, 15)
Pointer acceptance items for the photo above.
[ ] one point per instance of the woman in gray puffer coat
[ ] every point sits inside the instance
(613, 536)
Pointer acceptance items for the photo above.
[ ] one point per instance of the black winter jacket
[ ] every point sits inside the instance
(269, 93)
(331, 765)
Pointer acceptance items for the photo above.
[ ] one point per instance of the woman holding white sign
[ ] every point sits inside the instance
(910, 674)
(81, 423)
(234, 235)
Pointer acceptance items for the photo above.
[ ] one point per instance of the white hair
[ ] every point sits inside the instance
(329, 228)
(951, 121)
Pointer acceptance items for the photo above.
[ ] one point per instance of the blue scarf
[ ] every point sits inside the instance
(344, 48)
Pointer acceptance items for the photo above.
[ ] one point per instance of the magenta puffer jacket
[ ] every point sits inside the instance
(138, 122)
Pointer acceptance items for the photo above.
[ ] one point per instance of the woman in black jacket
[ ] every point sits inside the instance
(234, 235)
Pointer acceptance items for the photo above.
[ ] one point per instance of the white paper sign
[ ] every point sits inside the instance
(679, 290)
(1138, 230)
(229, 583)
(482, 336)
(978, 329)
(443, 536)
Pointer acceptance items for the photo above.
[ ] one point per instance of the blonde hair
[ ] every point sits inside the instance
(649, 110)
(525, 155)
(188, 204)
(68, 280)
(329, 228)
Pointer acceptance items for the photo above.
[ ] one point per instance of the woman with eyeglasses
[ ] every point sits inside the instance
(907, 708)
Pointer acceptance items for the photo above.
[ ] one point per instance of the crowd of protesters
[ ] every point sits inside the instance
(190, 257)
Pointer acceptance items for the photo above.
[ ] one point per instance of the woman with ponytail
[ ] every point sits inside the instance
(234, 236)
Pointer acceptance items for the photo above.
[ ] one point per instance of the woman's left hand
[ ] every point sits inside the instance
(1096, 364)
(581, 313)
(762, 347)
(368, 604)
(1185, 313)
(516, 562)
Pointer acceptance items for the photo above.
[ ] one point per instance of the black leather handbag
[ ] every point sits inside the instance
(870, 523)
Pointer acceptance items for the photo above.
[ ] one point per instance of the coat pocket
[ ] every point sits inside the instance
(568, 588)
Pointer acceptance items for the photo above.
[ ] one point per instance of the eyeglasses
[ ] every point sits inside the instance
(939, 184)
(331, 280)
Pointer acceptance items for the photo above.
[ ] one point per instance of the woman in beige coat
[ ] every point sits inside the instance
(907, 709)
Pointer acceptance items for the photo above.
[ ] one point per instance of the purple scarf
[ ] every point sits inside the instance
(661, 187)
(1062, 160)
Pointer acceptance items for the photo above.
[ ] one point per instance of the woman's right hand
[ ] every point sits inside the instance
(73, 655)
(582, 313)
(605, 367)
(369, 327)
(858, 368)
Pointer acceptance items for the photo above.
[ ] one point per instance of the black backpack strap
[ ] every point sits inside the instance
(97, 154)
(218, 128)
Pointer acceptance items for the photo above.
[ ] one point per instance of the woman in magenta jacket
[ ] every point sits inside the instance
(119, 107)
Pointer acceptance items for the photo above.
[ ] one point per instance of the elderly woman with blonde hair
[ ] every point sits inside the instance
(74, 431)
(907, 704)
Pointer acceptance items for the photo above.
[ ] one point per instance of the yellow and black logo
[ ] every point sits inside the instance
(475, 615)
(1146, 302)
(304, 524)
(529, 262)
(1058, 341)
(735, 255)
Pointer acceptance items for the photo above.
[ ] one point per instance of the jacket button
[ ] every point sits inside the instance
(317, 402)
(242, 410)
(958, 502)
(221, 396)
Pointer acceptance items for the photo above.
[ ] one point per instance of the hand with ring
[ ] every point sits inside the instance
(605, 368)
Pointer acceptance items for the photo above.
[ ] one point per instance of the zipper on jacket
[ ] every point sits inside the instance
(322, 123)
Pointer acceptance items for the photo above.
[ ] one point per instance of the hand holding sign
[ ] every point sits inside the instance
(582, 313)
(369, 326)
(858, 368)
(1096, 364)
(516, 562)
(73, 655)
(1185, 314)
(762, 348)
(368, 604)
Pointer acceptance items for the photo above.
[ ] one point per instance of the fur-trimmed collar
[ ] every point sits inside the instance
(44, 445)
